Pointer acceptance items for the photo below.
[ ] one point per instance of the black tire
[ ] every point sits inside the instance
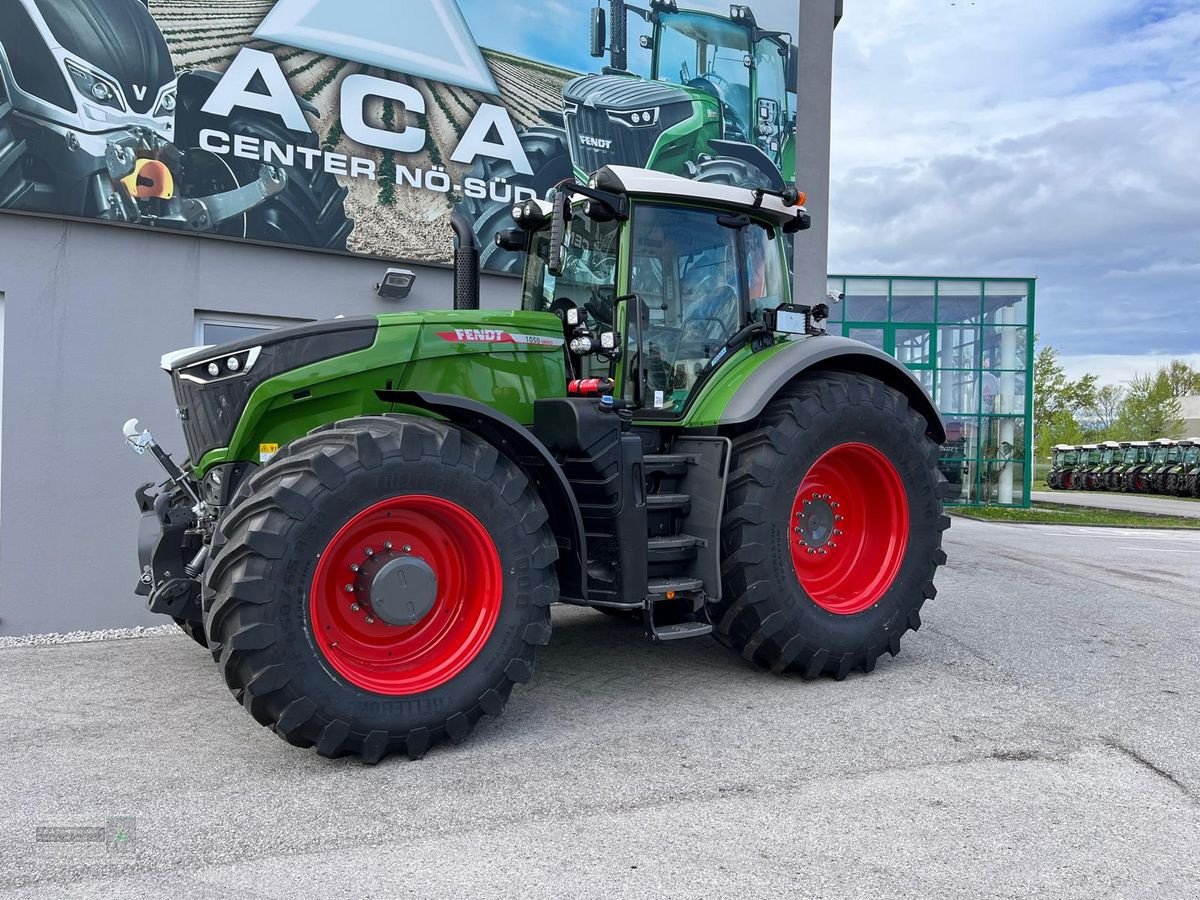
(194, 630)
(546, 149)
(256, 596)
(765, 613)
(309, 212)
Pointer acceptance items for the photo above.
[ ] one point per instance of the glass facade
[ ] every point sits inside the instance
(970, 342)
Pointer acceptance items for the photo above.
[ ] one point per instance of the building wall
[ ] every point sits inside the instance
(1189, 410)
(969, 341)
(88, 311)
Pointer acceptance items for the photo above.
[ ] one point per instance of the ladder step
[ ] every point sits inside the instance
(672, 464)
(675, 548)
(660, 587)
(681, 502)
(681, 631)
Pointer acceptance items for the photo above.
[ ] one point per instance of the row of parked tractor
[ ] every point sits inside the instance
(1142, 467)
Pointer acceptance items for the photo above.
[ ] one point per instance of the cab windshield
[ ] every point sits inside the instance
(1160, 455)
(707, 53)
(1191, 456)
(1107, 456)
(589, 271)
(1069, 457)
(1130, 456)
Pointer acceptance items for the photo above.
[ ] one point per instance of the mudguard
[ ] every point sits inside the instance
(514, 439)
(795, 358)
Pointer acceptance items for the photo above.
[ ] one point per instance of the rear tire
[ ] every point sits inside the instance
(833, 444)
(273, 612)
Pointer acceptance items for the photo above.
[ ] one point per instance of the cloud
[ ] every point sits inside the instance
(1017, 137)
(1115, 368)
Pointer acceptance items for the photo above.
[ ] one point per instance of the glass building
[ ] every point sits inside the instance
(970, 342)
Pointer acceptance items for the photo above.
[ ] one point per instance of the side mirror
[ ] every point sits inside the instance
(793, 68)
(599, 32)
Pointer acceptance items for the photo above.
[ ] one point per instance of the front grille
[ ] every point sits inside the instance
(629, 147)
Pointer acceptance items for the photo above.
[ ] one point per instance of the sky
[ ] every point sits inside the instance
(1054, 138)
(1026, 137)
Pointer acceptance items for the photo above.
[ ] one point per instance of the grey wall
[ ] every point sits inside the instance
(813, 103)
(88, 311)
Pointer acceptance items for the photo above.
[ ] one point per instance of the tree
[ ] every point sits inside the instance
(1151, 408)
(1058, 402)
(1181, 378)
(1106, 410)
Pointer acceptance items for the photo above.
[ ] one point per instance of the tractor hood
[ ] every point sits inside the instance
(120, 38)
(619, 118)
(214, 384)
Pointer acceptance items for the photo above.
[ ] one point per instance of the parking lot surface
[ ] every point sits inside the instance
(1038, 737)
(1140, 503)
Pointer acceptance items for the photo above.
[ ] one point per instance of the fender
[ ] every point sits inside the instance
(748, 153)
(535, 460)
(749, 393)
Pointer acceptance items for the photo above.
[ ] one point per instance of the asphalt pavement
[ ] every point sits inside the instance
(1150, 504)
(1038, 738)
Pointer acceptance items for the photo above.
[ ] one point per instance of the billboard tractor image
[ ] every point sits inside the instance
(334, 125)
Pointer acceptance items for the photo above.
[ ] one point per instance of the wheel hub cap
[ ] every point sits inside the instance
(403, 591)
(816, 523)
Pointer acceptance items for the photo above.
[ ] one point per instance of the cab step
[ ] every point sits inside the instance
(662, 502)
(679, 631)
(672, 548)
(673, 465)
(660, 587)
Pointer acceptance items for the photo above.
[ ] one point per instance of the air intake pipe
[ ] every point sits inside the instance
(466, 262)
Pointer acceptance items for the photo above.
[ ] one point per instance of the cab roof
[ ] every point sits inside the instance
(645, 183)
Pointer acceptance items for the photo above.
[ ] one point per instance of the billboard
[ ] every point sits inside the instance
(358, 125)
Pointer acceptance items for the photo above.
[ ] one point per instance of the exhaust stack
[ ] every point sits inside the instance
(466, 263)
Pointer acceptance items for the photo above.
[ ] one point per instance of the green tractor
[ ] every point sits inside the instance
(1063, 459)
(1142, 479)
(1096, 479)
(718, 105)
(1174, 472)
(1089, 459)
(1189, 480)
(377, 513)
(1132, 452)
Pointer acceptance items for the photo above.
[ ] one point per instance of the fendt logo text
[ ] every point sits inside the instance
(596, 143)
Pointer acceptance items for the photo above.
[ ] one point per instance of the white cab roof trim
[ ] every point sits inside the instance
(642, 182)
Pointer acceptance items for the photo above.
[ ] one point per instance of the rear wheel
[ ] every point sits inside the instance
(833, 528)
(380, 586)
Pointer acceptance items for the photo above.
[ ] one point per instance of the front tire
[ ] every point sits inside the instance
(833, 528)
(309, 641)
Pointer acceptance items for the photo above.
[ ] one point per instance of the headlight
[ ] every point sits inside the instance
(96, 88)
(639, 118)
(166, 106)
(222, 367)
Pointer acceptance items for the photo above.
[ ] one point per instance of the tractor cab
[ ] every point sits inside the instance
(690, 288)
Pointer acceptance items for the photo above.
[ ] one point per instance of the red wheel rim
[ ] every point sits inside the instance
(406, 659)
(849, 528)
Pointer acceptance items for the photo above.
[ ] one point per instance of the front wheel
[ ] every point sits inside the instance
(380, 586)
(833, 528)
